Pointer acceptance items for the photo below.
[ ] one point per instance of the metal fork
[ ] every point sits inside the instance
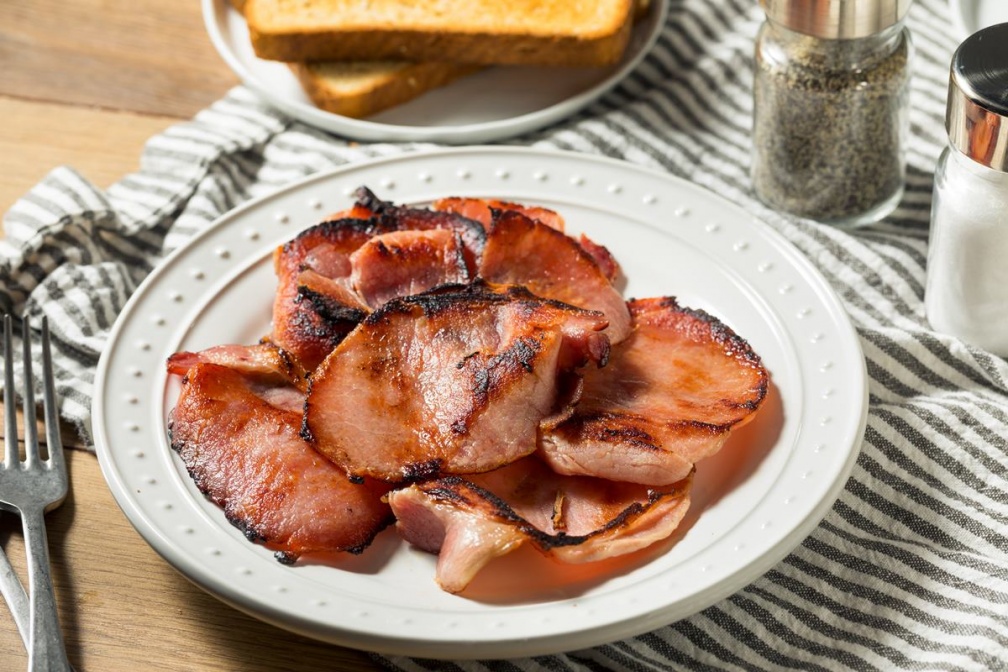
(32, 487)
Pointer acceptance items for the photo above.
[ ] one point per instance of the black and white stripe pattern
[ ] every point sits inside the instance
(910, 568)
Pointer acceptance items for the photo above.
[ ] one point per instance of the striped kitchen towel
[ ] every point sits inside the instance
(908, 571)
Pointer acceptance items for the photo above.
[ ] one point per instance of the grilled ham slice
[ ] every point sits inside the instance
(551, 264)
(401, 263)
(405, 218)
(456, 380)
(324, 291)
(239, 438)
(468, 521)
(315, 307)
(481, 210)
(670, 395)
(264, 360)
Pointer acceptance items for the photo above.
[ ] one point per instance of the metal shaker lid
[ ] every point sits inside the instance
(978, 97)
(836, 19)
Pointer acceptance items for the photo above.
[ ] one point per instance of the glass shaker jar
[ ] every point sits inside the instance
(966, 294)
(830, 121)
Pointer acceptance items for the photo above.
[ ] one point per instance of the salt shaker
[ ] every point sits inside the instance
(830, 121)
(966, 294)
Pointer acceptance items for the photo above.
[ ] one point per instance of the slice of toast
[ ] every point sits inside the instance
(529, 32)
(361, 88)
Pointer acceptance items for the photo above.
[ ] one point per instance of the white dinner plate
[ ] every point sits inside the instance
(972, 15)
(752, 503)
(490, 105)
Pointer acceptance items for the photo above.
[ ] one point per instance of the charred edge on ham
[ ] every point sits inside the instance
(331, 311)
(433, 301)
(321, 331)
(305, 432)
(399, 217)
(291, 368)
(332, 228)
(720, 332)
(422, 471)
(445, 297)
(288, 558)
(724, 336)
(244, 526)
(449, 490)
(368, 199)
(631, 436)
(461, 267)
(285, 558)
(638, 437)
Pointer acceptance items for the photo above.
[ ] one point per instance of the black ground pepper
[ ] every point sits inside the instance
(830, 123)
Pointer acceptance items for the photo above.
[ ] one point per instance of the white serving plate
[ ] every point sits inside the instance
(753, 502)
(490, 105)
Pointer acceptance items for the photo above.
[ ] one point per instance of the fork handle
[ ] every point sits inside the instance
(17, 599)
(47, 651)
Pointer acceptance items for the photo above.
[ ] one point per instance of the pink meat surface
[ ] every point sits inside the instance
(402, 263)
(240, 441)
(452, 381)
(670, 395)
(468, 521)
(522, 251)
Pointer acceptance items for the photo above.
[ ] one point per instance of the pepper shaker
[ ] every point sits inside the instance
(966, 293)
(830, 121)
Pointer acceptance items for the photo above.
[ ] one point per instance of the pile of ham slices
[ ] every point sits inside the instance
(470, 373)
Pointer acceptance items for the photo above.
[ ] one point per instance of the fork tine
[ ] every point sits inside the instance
(53, 441)
(11, 456)
(31, 443)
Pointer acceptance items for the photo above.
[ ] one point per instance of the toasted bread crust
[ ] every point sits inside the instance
(397, 84)
(322, 36)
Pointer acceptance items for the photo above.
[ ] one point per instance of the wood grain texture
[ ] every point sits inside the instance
(37, 137)
(136, 56)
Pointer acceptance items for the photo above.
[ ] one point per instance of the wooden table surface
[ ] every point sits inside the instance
(84, 83)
